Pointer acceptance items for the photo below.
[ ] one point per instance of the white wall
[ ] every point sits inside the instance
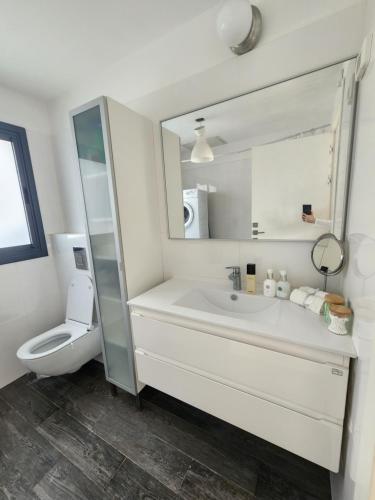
(354, 481)
(269, 63)
(173, 183)
(30, 300)
(287, 175)
(216, 75)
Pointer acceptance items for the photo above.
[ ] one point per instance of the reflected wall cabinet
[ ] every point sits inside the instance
(116, 163)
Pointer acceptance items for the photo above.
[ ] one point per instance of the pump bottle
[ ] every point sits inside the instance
(283, 286)
(269, 285)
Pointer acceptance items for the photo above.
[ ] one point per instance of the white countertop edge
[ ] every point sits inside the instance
(150, 302)
(264, 340)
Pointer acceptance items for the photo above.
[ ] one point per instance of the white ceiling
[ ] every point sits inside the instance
(48, 45)
(273, 113)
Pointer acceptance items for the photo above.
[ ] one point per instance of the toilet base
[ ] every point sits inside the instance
(67, 359)
(39, 376)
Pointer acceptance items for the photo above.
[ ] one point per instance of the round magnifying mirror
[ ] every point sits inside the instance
(327, 255)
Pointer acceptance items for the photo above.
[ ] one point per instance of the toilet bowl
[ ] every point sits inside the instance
(65, 348)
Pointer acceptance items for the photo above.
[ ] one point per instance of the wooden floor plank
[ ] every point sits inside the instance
(94, 457)
(64, 481)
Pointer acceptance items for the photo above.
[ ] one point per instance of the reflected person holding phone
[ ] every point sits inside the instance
(309, 217)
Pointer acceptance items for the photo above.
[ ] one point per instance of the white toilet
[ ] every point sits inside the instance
(65, 348)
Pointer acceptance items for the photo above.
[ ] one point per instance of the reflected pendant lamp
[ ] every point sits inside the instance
(202, 152)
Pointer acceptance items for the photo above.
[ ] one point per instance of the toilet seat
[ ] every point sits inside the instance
(65, 348)
(72, 329)
(80, 301)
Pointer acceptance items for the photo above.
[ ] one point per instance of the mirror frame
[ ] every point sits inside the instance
(257, 89)
(330, 236)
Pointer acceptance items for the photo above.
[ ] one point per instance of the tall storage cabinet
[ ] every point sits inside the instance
(116, 163)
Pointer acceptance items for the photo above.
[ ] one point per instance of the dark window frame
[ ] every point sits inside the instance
(38, 246)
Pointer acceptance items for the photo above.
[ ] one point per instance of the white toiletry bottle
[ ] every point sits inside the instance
(283, 286)
(269, 285)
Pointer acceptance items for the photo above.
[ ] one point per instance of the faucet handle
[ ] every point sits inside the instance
(236, 269)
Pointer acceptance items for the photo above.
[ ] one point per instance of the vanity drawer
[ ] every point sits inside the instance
(316, 440)
(316, 389)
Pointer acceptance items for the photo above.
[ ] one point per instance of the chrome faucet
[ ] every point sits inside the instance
(235, 276)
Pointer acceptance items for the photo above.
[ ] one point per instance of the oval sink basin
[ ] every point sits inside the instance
(233, 304)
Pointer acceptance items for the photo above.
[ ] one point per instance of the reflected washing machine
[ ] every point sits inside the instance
(196, 213)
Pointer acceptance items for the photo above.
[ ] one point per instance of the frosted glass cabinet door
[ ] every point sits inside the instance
(97, 181)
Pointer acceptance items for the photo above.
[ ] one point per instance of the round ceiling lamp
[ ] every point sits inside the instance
(202, 152)
(239, 25)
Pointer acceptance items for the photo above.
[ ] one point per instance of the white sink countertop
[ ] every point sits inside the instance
(209, 302)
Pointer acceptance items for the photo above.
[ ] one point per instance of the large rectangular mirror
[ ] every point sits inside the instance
(271, 164)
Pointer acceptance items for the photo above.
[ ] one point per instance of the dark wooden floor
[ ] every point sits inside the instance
(69, 438)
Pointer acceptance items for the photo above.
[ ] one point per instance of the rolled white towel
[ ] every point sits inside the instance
(316, 304)
(298, 296)
(309, 290)
(308, 301)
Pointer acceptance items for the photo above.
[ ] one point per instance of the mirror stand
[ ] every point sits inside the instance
(325, 283)
(328, 256)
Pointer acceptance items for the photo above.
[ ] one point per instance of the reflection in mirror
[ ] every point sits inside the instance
(272, 164)
(327, 255)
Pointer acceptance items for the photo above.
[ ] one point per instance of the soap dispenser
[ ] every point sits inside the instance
(269, 285)
(283, 286)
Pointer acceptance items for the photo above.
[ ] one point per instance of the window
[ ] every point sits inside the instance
(21, 229)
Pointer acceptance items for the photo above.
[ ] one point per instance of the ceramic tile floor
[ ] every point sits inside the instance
(68, 437)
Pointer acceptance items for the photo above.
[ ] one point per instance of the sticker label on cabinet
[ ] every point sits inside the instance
(336, 371)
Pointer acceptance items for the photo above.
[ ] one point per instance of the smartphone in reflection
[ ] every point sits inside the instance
(306, 209)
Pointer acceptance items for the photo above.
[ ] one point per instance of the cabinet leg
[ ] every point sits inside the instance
(138, 402)
(113, 389)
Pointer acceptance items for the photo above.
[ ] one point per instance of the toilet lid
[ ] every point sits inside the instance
(80, 300)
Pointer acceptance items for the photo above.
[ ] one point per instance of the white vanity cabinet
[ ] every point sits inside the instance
(295, 400)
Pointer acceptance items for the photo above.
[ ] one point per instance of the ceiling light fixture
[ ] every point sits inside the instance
(202, 152)
(239, 25)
